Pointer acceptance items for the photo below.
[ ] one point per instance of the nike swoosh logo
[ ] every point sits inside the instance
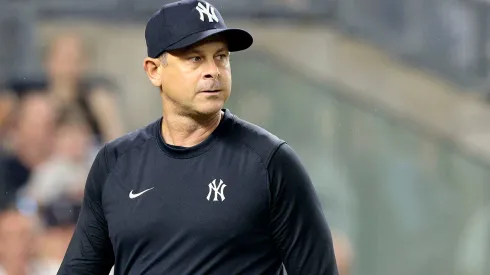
(132, 196)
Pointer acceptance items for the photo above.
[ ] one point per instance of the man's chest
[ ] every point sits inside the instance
(166, 202)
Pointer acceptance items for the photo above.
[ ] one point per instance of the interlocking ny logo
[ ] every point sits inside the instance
(218, 190)
(207, 10)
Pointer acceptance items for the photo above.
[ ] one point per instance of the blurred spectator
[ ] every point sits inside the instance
(66, 67)
(58, 218)
(17, 233)
(67, 83)
(31, 144)
(6, 109)
(343, 252)
(11, 95)
(67, 168)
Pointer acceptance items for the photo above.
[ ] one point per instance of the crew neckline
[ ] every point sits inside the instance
(198, 149)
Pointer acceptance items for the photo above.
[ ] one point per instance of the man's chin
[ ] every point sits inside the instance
(210, 108)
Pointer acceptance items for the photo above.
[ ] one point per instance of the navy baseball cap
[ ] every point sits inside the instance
(181, 24)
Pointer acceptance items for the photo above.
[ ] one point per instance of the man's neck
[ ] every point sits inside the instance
(186, 131)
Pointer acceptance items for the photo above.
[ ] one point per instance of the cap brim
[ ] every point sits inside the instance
(237, 39)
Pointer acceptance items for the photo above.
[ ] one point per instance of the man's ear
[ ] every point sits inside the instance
(151, 67)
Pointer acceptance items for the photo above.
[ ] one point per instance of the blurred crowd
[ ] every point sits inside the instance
(51, 127)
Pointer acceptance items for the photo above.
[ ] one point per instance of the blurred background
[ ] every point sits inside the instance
(387, 102)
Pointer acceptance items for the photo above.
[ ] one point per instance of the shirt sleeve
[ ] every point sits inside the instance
(299, 228)
(90, 250)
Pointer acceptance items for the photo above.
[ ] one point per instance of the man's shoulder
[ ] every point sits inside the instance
(116, 148)
(256, 138)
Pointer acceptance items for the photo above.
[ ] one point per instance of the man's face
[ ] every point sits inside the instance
(33, 135)
(16, 236)
(196, 80)
(65, 60)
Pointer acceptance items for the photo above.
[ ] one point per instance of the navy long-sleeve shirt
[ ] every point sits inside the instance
(238, 203)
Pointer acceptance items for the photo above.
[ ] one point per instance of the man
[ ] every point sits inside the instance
(31, 145)
(17, 235)
(199, 191)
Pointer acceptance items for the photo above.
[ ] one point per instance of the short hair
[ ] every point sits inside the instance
(163, 58)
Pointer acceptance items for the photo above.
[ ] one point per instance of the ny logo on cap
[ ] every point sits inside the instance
(207, 10)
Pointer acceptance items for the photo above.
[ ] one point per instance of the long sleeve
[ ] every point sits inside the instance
(90, 250)
(298, 225)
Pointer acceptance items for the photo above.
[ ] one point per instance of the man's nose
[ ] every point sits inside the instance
(211, 70)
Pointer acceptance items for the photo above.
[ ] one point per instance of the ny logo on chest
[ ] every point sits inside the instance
(217, 190)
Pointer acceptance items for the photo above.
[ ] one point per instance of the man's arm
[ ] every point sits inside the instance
(298, 225)
(90, 250)
(103, 103)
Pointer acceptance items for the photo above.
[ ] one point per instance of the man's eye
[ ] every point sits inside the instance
(195, 59)
(222, 56)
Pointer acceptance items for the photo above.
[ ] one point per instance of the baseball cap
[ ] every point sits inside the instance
(63, 211)
(183, 23)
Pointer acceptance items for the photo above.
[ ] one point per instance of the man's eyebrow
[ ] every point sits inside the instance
(222, 49)
(197, 51)
(190, 51)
